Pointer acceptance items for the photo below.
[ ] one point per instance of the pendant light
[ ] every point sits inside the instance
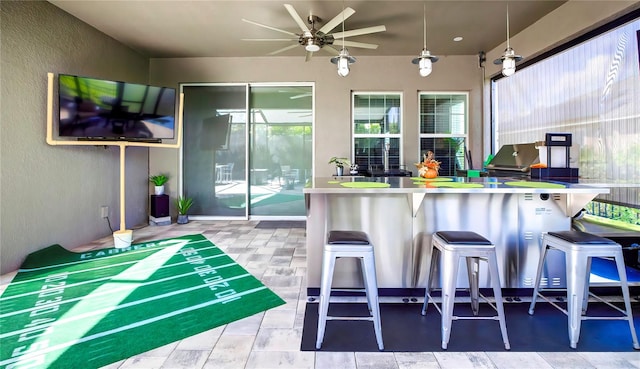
(425, 60)
(343, 60)
(509, 58)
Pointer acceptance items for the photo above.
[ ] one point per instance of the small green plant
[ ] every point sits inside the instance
(183, 204)
(340, 162)
(159, 179)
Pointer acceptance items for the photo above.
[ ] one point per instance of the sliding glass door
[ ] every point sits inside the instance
(246, 149)
(280, 149)
(214, 149)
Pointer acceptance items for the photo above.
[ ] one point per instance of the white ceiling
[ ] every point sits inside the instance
(205, 28)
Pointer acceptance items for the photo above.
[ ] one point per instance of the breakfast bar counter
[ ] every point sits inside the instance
(401, 213)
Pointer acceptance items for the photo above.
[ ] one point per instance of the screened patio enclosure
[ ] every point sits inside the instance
(247, 149)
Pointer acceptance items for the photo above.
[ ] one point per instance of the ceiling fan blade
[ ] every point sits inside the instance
(308, 56)
(360, 31)
(283, 49)
(269, 27)
(331, 50)
(346, 13)
(296, 18)
(358, 44)
(269, 39)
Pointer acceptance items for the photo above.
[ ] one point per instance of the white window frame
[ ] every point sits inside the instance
(464, 136)
(398, 135)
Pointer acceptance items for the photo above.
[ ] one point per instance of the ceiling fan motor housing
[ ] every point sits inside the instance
(315, 38)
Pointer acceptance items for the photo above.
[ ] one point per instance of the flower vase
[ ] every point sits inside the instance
(339, 171)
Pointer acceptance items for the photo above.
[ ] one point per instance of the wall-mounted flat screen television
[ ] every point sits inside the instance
(91, 108)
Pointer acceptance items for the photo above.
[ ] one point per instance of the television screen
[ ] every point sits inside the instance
(93, 108)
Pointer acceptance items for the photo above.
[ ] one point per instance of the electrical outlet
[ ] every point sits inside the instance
(104, 211)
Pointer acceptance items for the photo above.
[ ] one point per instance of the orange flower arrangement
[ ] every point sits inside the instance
(429, 167)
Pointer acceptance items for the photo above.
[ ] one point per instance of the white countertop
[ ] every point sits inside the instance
(405, 185)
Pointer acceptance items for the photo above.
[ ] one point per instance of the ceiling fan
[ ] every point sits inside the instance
(315, 39)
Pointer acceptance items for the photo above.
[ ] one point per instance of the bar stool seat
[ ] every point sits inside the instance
(453, 245)
(579, 248)
(348, 244)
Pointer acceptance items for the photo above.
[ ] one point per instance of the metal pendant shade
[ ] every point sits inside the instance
(425, 60)
(509, 58)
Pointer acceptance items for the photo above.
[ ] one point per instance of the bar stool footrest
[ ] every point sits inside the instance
(367, 318)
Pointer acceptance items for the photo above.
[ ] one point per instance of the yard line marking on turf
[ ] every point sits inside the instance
(101, 267)
(122, 252)
(128, 326)
(119, 307)
(5, 298)
(114, 290)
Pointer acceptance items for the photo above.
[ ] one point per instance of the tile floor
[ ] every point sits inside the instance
(272, 339)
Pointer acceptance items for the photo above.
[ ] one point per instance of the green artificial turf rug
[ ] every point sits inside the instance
(90, 309)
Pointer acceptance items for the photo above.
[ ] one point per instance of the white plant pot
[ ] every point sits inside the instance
(159, 190)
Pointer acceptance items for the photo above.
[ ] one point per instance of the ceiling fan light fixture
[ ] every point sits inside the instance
(311, 46)
(425, 60)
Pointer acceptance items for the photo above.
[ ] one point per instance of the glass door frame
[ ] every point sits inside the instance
(247, 139)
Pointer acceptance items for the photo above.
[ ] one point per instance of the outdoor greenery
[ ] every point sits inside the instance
(615, 213)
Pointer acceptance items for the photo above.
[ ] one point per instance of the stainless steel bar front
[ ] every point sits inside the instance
(401, 218)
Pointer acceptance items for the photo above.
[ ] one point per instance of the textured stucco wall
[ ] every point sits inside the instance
(52, 194)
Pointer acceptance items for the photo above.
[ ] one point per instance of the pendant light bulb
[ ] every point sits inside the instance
(425, 67)
(508, 63)
(343, 66)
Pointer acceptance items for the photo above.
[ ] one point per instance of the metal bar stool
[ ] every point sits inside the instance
(579, 248)
(348, 244)
(453, 245)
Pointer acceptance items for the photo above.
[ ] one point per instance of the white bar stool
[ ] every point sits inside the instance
(348, 244)
(453, 245)
(579, 248)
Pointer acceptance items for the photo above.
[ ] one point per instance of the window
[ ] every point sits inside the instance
(443, 129)
(377, 128)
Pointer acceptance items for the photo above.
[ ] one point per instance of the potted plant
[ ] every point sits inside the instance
(159, 180)
(183, 204)
(340, 164)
